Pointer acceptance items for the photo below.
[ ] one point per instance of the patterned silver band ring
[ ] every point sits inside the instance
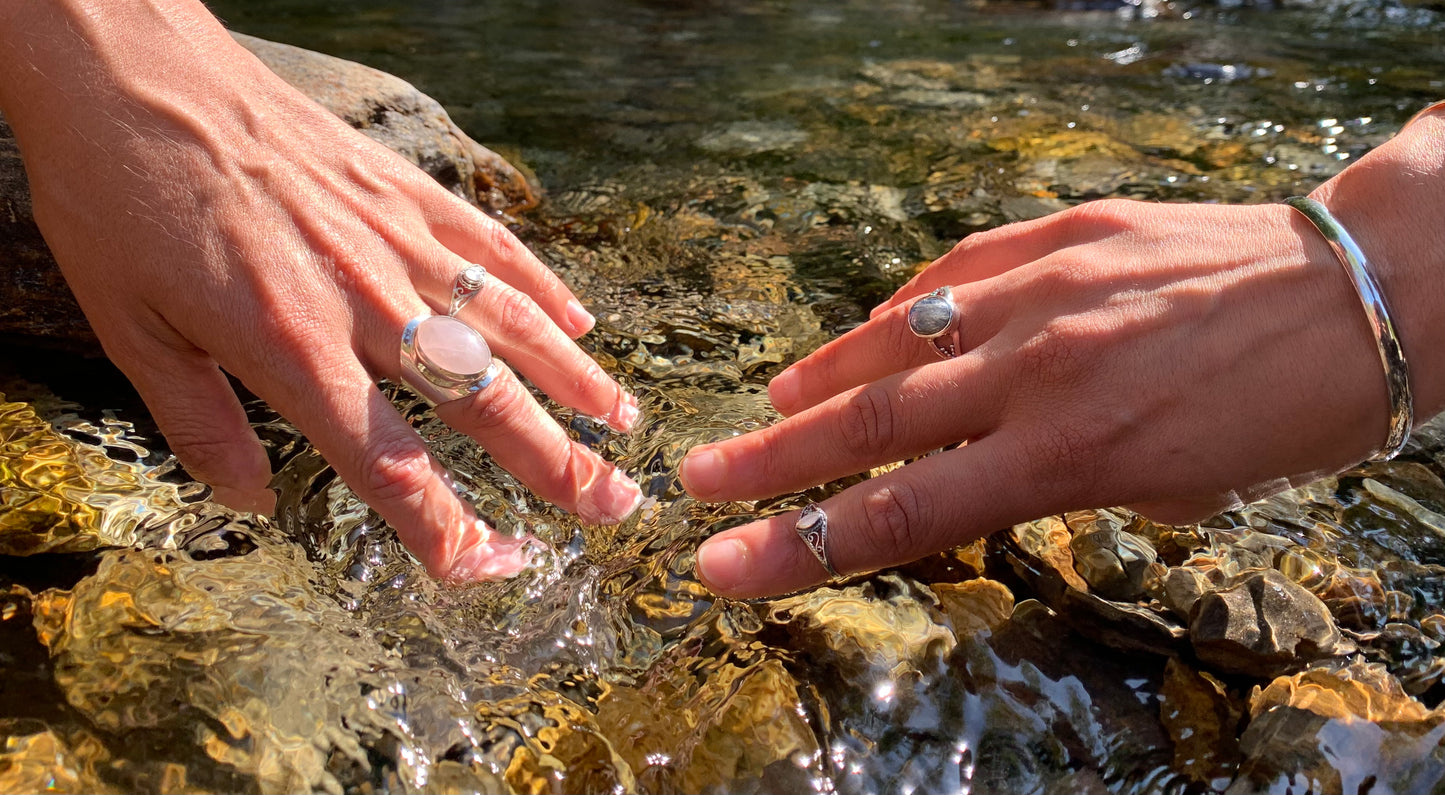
(812, 528)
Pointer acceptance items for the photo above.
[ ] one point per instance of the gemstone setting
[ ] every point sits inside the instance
(932, 315)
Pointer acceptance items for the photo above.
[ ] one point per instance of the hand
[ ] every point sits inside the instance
(210, 219)
(1176, 358)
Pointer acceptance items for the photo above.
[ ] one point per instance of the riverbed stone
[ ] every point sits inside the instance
(1262, 624)
(35, 301)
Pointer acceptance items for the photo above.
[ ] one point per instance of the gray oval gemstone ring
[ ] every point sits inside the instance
(934, 317)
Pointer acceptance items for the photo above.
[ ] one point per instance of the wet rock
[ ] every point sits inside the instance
(752, 138)
(1115, 563)
(34, 299)
(61, 495)
(1288, 749)
(974, 606)
(864, 634)
(34, 758)
(1362, 690)
(1263, 624)
(690, 732)
(1180, 589)
(1343, 728)
(1203, 721)
(1043, 554)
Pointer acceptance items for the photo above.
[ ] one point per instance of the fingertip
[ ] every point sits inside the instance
(702, 472)
(245, 500)
(611, 500)
(483, 554)
(579, 319)
(624, 415)
(786, 391)
(724, 564)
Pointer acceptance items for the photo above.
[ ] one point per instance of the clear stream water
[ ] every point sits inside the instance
(728, 185)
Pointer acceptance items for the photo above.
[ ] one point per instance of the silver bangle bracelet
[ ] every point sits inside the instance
(1392, 356)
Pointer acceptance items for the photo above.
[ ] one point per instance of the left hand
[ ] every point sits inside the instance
(1176, 358)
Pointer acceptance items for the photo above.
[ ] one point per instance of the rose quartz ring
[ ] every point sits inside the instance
(444, 359)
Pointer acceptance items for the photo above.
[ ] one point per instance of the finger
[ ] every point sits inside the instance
(899, 417)
(507, 421)
(881, 347)
(984, 255)
(202, 420)
(477, 238)
(928, 506)
(525, 336)
(388, 466)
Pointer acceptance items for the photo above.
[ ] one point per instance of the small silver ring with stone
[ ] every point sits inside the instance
(934, 317)
(812, 528)
(444, 359)
(468, 283)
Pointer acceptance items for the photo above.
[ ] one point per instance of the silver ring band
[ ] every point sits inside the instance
(433, 380)
(812, 528)
(934, 317)
(1387, 338)
(468, 283)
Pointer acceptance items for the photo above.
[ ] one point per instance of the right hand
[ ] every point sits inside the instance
(210, 219)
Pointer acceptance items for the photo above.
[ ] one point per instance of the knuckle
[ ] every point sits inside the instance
(396, 469)
(499, 240)
(209, 458)
(1107, 215)
(893, 521)
(899, 341)
(517, 316)
(592, 382)
(868, 421)
(489, 409)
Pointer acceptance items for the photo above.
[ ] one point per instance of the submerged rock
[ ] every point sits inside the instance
(1344, 729)
(1263, 624)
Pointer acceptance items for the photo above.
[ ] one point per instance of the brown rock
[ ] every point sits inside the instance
(974, 606)
(1203, 721)
(34, 299)
(1263, 625)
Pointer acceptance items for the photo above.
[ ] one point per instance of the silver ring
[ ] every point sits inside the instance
(468, 283)
(444, 359)
(812, 528)
(934, 317)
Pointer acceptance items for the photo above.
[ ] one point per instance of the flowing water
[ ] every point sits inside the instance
(728, 185)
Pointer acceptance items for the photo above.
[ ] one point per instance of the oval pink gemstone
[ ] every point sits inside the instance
(452, 347)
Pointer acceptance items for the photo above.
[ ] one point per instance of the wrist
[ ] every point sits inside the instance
(1391, 202)
(63, 55)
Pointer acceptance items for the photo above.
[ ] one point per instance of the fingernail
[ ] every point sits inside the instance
(786, 390)
(624, 416)
(702, 472)
(490, 556)
(722, 563)
(619, 498)
(582, 321)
